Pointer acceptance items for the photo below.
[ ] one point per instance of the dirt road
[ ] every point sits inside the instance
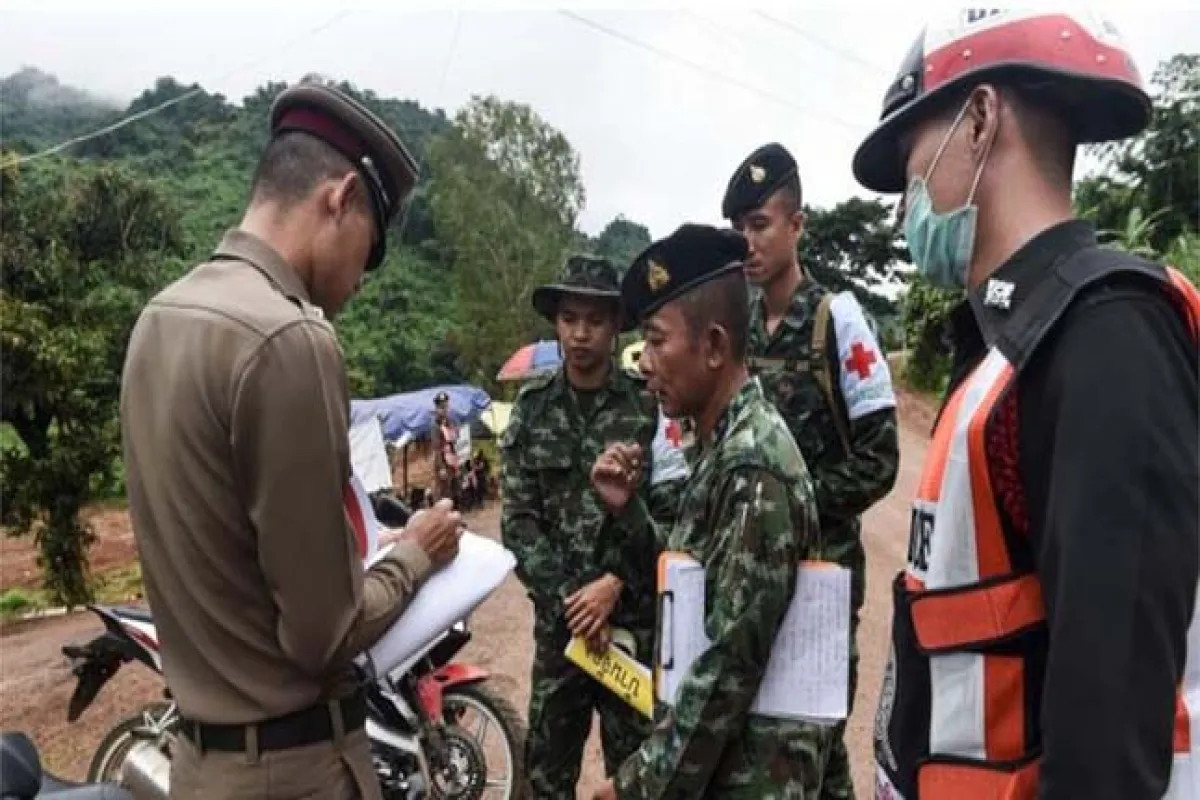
(35, 683)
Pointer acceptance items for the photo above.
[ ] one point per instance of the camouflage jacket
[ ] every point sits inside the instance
(847, 483)
(552, 520)
(748, 515)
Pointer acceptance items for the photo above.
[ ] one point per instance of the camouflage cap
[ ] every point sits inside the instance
(582, 276)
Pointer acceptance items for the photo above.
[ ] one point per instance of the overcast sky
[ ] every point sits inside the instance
(657, 138)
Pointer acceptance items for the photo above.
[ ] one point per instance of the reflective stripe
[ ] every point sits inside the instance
(953, 558)
(964, 595)
(956, 709)
(978, 614)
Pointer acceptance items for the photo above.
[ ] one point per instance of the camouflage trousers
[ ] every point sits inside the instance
(837, 783)
(562, 700)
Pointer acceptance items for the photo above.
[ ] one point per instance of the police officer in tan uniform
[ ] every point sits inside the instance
(234, 411)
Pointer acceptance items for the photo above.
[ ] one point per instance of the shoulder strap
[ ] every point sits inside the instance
(822, 369)
(1028, 326)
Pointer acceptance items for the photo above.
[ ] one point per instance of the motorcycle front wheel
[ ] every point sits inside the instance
(484, 748)
(151, 721)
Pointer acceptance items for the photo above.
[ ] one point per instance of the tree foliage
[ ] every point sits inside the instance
(621, 241)
(80, 252)
(39, 111)
(925, 308)
(852, 247)
(1157, 172)
(504, 205)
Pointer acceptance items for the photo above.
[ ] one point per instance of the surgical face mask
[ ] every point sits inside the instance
(942, 244)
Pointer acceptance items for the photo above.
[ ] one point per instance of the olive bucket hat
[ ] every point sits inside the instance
(581, 276)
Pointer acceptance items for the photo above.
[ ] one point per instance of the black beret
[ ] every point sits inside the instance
(388, 169)
(764, 172)
(671, 267)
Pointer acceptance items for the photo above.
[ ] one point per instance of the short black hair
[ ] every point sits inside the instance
(1047, 123)
(291, 167)
(1044, 116)
(724, 301)
(792, 196)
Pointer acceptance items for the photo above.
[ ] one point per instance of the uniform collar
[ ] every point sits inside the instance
(617, 381)
(243, 246)
(989, 305)
(798, 307)
(748, 394)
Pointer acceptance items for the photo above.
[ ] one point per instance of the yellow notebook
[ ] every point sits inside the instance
(619, 672)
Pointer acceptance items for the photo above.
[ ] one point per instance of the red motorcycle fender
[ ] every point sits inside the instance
(430, 687)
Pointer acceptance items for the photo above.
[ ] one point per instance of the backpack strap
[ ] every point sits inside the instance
(822, 370)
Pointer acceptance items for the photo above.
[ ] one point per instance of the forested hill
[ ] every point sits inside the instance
(200, 153)
(203, 148)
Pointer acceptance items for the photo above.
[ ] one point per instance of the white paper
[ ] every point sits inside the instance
(808, 673)
(447, 596)
(683, 638)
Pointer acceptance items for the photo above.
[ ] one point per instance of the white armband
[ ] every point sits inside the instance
(865, 378)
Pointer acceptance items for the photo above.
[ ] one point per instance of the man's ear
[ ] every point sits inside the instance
(716, 346)
(343, 194)
(797, 222)
(983, 116)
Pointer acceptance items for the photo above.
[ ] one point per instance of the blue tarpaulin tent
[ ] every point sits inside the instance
(409, 415)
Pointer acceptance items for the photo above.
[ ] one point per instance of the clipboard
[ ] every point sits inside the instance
(807, 676)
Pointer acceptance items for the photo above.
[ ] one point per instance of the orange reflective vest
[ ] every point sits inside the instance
(963, 683)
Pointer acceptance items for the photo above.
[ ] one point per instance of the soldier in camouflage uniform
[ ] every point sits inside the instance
(747, 514)
(583, 573)
(821, 367)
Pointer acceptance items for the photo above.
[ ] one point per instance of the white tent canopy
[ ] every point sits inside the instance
(368, 456)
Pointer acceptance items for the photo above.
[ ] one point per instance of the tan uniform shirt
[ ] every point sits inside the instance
(234, 414)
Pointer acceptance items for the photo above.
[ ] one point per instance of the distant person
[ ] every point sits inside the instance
(748, 515)
(234, 415)
(445, 449)
(1044, 639)
(584, 573)
(821, 367)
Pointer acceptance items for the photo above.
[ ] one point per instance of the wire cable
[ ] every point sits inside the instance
(711, 73)
(132, 118)
(840, 51)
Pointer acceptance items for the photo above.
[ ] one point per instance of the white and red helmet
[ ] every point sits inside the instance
(1079, 58)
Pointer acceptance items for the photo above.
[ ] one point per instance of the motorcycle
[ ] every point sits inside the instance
(22, 776)
(422, 745)
(417, 715)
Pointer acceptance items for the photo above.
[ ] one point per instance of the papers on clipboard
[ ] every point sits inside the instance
(808, 673)
(446, 597)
